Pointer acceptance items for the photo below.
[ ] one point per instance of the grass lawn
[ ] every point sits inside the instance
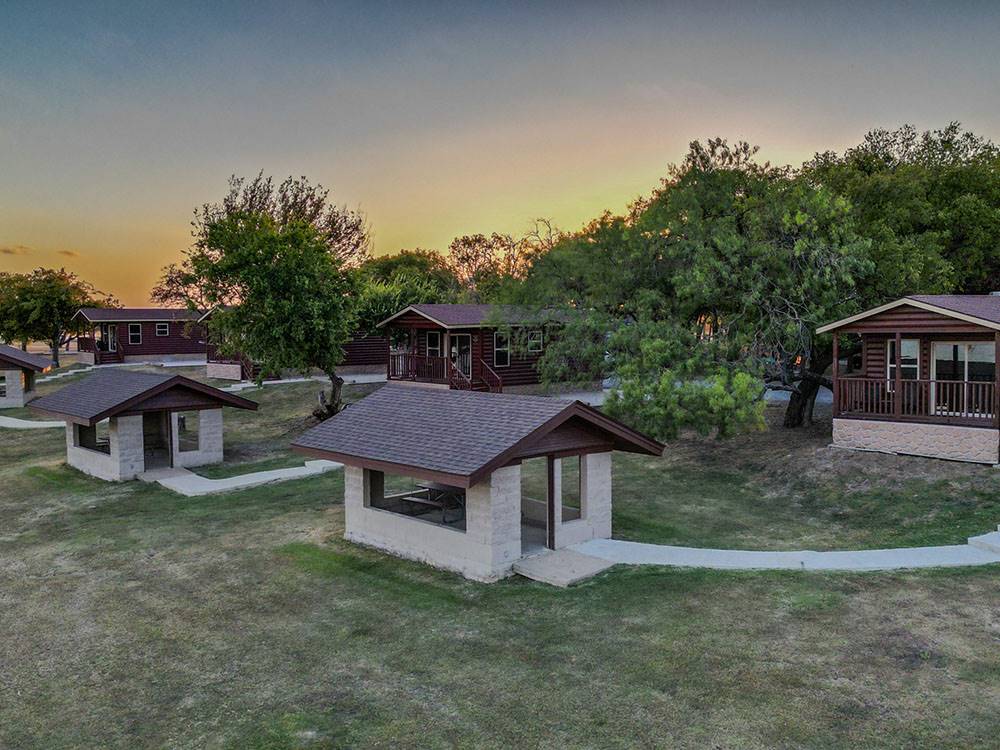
(131, 617)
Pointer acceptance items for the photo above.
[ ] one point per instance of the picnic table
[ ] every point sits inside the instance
(441, 496)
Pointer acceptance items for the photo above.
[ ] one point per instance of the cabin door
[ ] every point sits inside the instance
(461, 353)
(110, 334)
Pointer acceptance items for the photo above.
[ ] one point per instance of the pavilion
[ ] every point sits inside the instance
(436, 475)
(121, 423)
(17, 375)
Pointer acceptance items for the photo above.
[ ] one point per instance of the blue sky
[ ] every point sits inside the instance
(437, 119)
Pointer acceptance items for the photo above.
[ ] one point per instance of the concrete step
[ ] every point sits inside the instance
(561, 568)
(988, 542)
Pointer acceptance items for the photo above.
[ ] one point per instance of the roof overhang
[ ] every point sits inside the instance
(914, 303)
(126, 319)
(421, 313)
(22, 364)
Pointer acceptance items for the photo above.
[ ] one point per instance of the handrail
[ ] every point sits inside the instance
(406, 366)
(457, 379)
(493, 380)
(931, 400)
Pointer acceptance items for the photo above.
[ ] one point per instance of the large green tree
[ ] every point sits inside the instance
(427, 266)
(41, 305)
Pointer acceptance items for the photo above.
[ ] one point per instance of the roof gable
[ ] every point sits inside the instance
(137, 315)
(977, 309)
(472, 316)
(457, 436)
(108, 393)
(14, 356)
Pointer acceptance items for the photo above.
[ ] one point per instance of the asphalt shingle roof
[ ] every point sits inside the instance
(138, 314)
(23, 359)
(467, 315)
(984, 306)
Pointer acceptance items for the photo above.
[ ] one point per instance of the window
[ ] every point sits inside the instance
(439, 504)
(93, 438)
(3, 386)
(534, 341)
(134, 334)
(162, 329)
(909, 362)
(966, 362)
(187, 431)
(434, 343)
(501, 350)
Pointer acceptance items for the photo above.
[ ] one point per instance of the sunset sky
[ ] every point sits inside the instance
(117, 119)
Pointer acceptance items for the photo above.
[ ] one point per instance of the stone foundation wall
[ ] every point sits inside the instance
(974, 444)
(139, 358)
(14, 386)
(210, 441)
(224, 371)
(485, 551)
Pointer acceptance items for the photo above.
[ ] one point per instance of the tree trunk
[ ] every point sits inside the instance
(55, 353)
(332, 404)
(799, 403)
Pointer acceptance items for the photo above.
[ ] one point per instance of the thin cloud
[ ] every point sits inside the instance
(15, 250)
(68, 253)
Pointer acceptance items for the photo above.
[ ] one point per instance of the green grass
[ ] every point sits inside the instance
(133, 617)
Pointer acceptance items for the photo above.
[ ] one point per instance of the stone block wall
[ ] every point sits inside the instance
(126, 459)
(595, 503)
(485, 551)
(956, 443)
(224, 371)
(210, 440)
(14, 386)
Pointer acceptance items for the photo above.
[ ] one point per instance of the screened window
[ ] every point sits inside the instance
(909, 362)
(134, 333)
(534, 341)
(501, 350)
(434, 343)
(162, 329)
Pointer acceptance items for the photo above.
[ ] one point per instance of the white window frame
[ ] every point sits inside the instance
(165, 327)
(965, 369)
(131, 342)
(497, 348)
(890, 375)
(437, 348)
(536, 345)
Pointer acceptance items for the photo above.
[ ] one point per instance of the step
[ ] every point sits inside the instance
(561, 568)
(988, 542)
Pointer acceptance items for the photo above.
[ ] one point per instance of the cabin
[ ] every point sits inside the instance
(466, 347)
(470, 481)
(120, 423)
(117, 335)
(364, 353)
(17, 375)
(920, 377)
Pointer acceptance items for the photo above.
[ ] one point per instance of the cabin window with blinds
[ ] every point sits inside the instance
(501, 350)
(134, 334)
(162, 329)
(909, 362)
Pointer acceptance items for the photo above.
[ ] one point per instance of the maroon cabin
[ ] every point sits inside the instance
(465, 347)
(139, 335)
(921, 377)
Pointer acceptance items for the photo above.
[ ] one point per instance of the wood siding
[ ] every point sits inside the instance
(875, 349)
(914, 320)
(152, 345)
(366, 350)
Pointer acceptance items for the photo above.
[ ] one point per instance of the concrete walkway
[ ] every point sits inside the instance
(90, 368)
(980, 551)
(13, 423)
(189, 484)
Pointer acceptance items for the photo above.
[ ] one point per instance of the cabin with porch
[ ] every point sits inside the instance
(920, 377)
(466, 347)
(120, 423)
(117, 335)
(473, 482)
(17, 375)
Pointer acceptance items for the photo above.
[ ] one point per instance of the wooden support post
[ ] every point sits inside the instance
(897, 397)
(996, 380)
(550, 525)
(835, 373)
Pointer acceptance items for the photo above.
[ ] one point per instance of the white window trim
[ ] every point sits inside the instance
(166, 329)
(890, 376)
(130, 334)
(540, 343)
(965, 370)
(435, 349)
(496, 348)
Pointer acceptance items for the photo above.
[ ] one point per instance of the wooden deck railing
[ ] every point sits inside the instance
(946, 401)
(418, 367)
(492, 379)
(457, 379)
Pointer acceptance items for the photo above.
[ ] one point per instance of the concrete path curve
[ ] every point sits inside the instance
(13, 423)
(982, 550)
(189, 484)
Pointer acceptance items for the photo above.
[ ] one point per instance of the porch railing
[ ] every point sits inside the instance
(418, 367)
(457, 380)
(947, 401)
(492, 379)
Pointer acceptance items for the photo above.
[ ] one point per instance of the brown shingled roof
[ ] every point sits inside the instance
(471, 316)
(14, 356)
(138, 314)
(109, 392)
(456, 436)
(983, 306)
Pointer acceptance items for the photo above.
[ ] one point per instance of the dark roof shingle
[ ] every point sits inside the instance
(15, 356)
(451, 432)
(983, 306)
(138, 314)
(469, 315)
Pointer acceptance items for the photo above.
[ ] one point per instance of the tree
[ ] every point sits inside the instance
(282, 297)
(43, 304)
(380, 299)
(426, 265)
(343, 232)
(483, 264)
